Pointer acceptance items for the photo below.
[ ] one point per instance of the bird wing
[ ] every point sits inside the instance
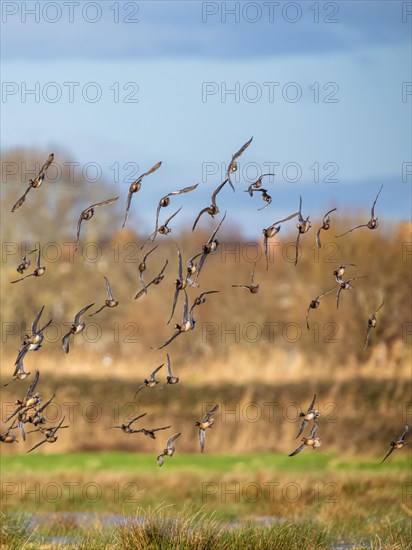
(184, 190)
(172, 216)
(142, 282)
(38, 445)
(350, 230)
(202, 437)
(213, 235)
(136, 418)
(21, 200)
(265, 246)
(210, 413)
(374, 203)
(169, 370)
(36, 321)
(169, 340)
(312, 404)
(388, 453)
(338, 296)
(199, 216)
(307, 317)
(159, 206)
(266, 205)
(171, 439)
(383, 301)
(179, 264)
(302, 427)
(297, 248)
(41, 409)
(108, 288)
(327, 213)
(242, 149)
(152, 376)
(80, 313)
(98, 311)
(32, 386)
(405, 433)
(216, 191)
(147, 253)
(38, 258)
(286, 219)
(296, 451)
(79, 226)
(43, 169)
(128, 203)
(314, 430)
(186, 308)
(66, 342)
(59, 425)
(318, 237)
(160, 459)
(253, 274)
(152, 169)
(108, 201)
(22, 279)
(175, 296)
(325, 293)
(367, 337)
(137, 391)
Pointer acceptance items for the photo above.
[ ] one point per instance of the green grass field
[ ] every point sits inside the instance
(314, 500)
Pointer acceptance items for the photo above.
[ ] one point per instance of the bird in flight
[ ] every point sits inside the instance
(34, 184)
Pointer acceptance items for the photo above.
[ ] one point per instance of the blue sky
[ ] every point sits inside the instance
(174, 51)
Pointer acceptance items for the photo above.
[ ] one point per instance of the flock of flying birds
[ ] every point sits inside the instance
(31, 409)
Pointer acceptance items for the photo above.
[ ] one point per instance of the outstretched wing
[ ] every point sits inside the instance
(128, 203)
(312, 403)
(152, 169)
(169, 340)
(79, 226)
(21, 200)
(368, 332)
(302, 427)
(216, 191)
(350, 230)
(108, 288)
(22, 279)
(108, 201)
(374, 203)
(202, 437)
(213, 235)
(80, 313)
(199, 216)
(32, 386)
(286, 219)
(38, 445)
(172, 216)
(175, 296)
(171, 439)
(242, 149)
(152, 376)
(66, 342)
(296, 451)
(210, 413)
(297, 248)
(36, 321)
(314, 430)
(318, 237)
(388, 453)
(405, 433)
(169, 369)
